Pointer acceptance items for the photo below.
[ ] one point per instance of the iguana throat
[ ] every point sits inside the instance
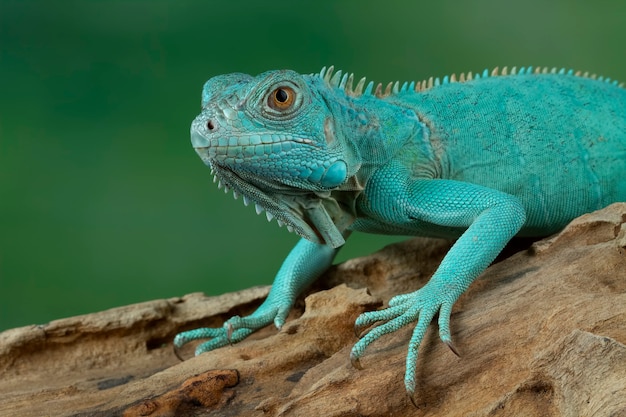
(312, 215)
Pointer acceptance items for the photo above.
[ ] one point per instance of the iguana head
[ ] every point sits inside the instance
(273, 139)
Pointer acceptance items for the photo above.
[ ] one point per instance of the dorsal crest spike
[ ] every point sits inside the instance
(349, 84)
(343, 82)
(358, 90)
(328, 74)
(334, 81)
(388, 89)
(378, 92)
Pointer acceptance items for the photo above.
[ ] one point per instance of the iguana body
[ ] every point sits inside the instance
(481, 160)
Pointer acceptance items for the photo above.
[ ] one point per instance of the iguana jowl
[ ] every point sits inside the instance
(480, 159)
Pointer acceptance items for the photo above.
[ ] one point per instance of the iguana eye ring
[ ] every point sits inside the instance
(281, 98)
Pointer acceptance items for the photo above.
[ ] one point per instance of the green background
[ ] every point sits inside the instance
(103, 202)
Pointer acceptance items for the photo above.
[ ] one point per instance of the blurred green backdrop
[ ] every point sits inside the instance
(103, 201)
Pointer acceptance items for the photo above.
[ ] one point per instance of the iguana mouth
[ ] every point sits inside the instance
(304, 213)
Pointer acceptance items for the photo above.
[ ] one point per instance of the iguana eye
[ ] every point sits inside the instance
(281, 98)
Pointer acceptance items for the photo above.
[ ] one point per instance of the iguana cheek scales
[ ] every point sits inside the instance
(478, 158)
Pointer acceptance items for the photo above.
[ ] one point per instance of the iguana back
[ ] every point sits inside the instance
(556, 141)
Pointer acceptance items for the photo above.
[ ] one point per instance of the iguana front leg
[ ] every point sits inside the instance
(305, 262)
(491, 219)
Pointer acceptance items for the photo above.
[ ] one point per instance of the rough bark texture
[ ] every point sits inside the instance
(542, 332)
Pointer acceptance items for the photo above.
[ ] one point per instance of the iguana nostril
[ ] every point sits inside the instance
(210, 125)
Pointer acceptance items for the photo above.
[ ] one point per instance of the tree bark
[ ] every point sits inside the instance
(542, 332)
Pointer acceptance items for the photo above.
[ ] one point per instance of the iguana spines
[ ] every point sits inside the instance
(334, 79)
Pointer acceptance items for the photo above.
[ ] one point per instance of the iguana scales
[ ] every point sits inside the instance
(479, 158)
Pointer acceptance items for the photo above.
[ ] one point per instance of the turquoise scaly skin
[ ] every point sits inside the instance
(480, 159)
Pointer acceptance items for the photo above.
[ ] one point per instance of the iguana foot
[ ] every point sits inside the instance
(234, 329)
(420, 306)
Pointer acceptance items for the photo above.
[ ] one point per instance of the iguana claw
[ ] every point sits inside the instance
(452, 347)
(420, 306)
(356, 363)
(177, 352)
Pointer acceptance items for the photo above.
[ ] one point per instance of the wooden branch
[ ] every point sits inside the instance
(542, 332)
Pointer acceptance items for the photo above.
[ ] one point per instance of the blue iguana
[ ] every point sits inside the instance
(479, 158)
